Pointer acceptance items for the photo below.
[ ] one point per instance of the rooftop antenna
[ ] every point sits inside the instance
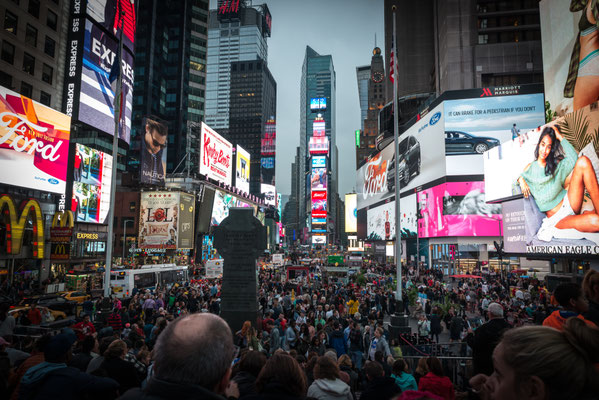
(375, 39)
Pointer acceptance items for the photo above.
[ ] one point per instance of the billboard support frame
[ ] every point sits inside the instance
(396, 171)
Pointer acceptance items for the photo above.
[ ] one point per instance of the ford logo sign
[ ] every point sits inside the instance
(435, 118)
(53, 181)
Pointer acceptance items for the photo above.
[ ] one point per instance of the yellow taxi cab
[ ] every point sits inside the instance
(79, 297)
(19, 310)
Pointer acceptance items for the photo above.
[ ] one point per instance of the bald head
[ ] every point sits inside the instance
(196, 349)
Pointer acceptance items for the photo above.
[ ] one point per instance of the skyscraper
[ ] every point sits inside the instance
(363, 76)
(317, 104)
(170, 75)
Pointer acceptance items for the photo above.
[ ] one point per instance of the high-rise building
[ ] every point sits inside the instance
(34, 40)
(170, 76)
(376, 100)
(363, 76)
(317, 110)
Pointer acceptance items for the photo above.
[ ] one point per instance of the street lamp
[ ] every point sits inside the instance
(125, 235)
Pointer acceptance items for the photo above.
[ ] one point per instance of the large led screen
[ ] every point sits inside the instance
(319, 162)
(222, 203)
(96, 99)
(158, 220)
(371, 179)
(319, 127)
(548, 167)
(242, 170)
(34, 144)
(319, 239)
(475, 125)
(269, 192)
(114, 14)
(215, 155)
(409, 216)
(318, 103)
(153, 152)
(351, 212)
(92, 175)
(319, 200)
(381, 222)
(318, 179)
(457, 209)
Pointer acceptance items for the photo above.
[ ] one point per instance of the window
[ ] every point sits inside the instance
(52, 20)
(26, 89)
(45, 98)
(49, 46)
(5, 80)
(28, 64)
(8, 52)
(34, 8)
(47, 72)
(132, 206)
(10, 22)
(31, 35)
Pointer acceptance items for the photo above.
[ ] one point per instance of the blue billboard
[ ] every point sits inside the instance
(319, 162)
(318, 103)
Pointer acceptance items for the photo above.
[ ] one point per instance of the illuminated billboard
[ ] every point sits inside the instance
(158, 220)
(319, 201)
(268, 146)
(318, 103)
(242, 170)
(381, 222)
(556, 216)
(318, 127)
(215, 155)
(112, 14)
(92, 176)
(318, 179)
(319, 162)
(96, 98)
(269, 193)
(319, 221)
(319, 239)
(153, 152)
(351, 212)
(318, 145)
(34, 144)
(457, 209)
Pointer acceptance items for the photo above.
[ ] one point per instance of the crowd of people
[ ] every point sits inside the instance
(320, 340)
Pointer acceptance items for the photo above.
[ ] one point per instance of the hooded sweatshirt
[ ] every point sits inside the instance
(324, 389)
(405, 381)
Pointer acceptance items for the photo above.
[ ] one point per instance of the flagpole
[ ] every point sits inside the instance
(396, 169)
(118, 95)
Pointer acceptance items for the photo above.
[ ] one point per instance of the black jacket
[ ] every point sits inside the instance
(273, 391)
(246, 383)
(121, 371)
(593, 313)
(380, 389)
(483, 342)
(161, 390)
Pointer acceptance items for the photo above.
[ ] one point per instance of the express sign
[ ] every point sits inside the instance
(215, 156)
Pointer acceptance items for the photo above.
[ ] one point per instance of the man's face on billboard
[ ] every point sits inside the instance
(154, 141)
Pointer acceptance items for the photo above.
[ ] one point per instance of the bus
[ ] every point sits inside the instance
(123, 282)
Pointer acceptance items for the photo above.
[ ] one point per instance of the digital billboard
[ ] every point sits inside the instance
(153, 152)
(569, 55)
(319, 200)
(215, 155)
(96, 97)
(319, 239)
(158, 220)
(351, 212)
(475, 125)
(409, 216)
(223, 201)
(269, 193)
(371, 178)
(547, 167)
(318, 179)
(92, 175)
(318, 145)
(318, 127)
(113, 14)
(457, 209)
(318, 103)
(319, 162)
(381, 222)
(242, 170)
(319, 221)
(34, 144)
(267, 152)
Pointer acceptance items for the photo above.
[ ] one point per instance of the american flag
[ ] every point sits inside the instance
(392, 63)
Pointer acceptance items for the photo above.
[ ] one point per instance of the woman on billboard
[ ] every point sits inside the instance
(557, 181)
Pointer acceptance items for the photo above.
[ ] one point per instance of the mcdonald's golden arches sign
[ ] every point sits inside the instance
(15, 220)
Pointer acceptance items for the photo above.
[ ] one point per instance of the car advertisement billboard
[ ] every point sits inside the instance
(570, 59)
(318, 103)
(318, 179)
(319, 162)
(153, 152)
(215, 155)
(242, 169)
(92, 175)
(351, 212)
(457, 209)
(475, 125)
(96, 98)
(319, 239)
(34, 144)
(158, 221)
(113, 14)
(186, 219)
(559, 202)
(381, 222)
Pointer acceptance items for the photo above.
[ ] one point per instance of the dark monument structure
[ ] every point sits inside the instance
(240, 239)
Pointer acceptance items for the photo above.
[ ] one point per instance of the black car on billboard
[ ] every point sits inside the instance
(457, 142)
(409, 163)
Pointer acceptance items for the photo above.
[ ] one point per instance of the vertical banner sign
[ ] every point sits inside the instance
(153, 152)
(242, 170)
(186, 218)
(215, 156)
(158, 222)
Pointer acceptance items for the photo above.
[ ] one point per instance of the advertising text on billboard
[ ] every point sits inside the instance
(242, 170)
(153, 152)
(215, 155)
(158, 220)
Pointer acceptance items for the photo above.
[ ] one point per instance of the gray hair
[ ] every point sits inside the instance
(496, 310)
(196, 349)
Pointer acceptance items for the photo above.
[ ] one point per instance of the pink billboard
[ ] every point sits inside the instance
(457, 209)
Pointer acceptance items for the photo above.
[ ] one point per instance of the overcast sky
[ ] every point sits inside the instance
(344, 29)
